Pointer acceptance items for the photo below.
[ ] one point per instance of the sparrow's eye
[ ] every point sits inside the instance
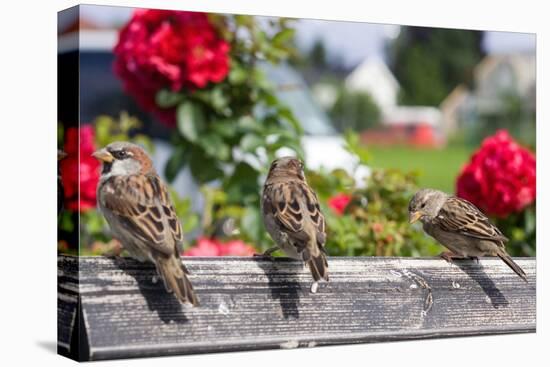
(120, 154)
(423, 205)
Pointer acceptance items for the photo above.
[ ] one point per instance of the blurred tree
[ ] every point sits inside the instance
(430, 62)
(318, 54)
(511, 113)
(354, 110)
(319, 63)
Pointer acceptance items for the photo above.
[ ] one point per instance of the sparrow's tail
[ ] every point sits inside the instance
(515, 267)
(174, 275)
(317, 265)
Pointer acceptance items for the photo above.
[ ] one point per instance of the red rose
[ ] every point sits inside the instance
(213, 247)
(236, 248)
(168, 49)
(500, 178)
(204, 247)
(339, 202)
(80, 175)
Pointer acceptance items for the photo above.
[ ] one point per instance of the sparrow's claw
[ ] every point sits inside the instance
(263, 256)
(449, 256)
(267, 253)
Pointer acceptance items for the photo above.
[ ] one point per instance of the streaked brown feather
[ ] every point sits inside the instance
(138, 201)
(284, 200)
(293, 216)
(461, 216)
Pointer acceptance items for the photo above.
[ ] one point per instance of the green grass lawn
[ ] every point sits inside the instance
(438, 168)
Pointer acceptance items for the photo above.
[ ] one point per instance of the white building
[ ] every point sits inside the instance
(495, 77)
(374, 76)
(498, 75)
(455, 107)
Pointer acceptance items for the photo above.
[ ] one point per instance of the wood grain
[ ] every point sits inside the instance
(249, 304)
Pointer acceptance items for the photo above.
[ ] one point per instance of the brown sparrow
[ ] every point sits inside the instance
(460, 226)
(292, 216)
(139, 211)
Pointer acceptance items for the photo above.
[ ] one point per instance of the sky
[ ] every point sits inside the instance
(350, 41)
(355, 41)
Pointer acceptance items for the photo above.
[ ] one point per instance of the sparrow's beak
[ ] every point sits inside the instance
(413, 217)
(61, 154)
(103, 155)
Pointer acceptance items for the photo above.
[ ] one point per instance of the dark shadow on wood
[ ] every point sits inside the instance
(160, 301)
(284, 287)
(475, 271)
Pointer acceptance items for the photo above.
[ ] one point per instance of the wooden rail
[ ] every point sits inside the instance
(110, 308)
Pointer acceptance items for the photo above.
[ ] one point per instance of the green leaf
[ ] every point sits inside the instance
(269, 98)
(66, 221)
(60, 134)
(225, 128)
(248, 123)
(289, 116)
(530, 220)
(176, 162)
(244, 20)
(237, 75)
(242, 185)
(190, 223)
(203, 167)
(260, 79)
(190, 120)
(219, 99)
(94, 222)
(103, 134)
(283, 36)
(354, 146)
(252, 223)
(145, 141)
(167, 99)
(250, 142)
(260, 38)
(214, 146)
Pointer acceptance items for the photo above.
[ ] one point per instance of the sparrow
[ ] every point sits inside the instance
(136, 204)
(60, 191)
(292, 216)
(459, 226)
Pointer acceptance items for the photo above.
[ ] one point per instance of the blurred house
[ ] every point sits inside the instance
(454, 108)
(374, 77)
(418, 126)
(499, 75)
(498, 80)
(408, 125)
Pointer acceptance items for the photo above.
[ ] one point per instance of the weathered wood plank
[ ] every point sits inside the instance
(67, 302)
(258, 304)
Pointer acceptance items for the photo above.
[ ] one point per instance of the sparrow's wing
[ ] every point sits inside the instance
(294, 206)
(143, 206)
(461, 216)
